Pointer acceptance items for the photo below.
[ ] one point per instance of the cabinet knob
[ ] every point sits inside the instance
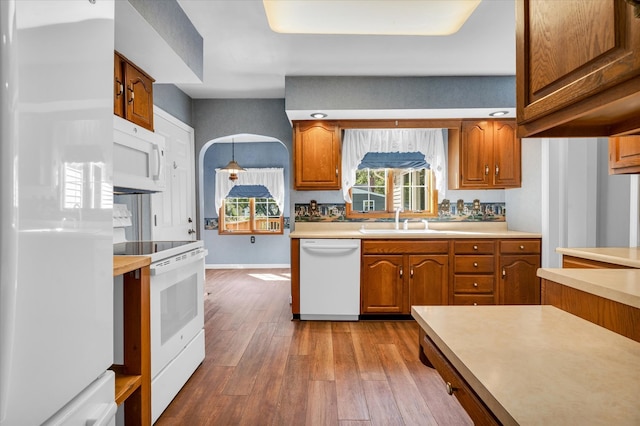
(475, 247)
(475, 284)
(401, 272)
(475, 303)
(521, 247)
(450, 388)
(475, 264)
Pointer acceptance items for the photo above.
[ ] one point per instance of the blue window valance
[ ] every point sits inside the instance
(249, 191)
(393, 160)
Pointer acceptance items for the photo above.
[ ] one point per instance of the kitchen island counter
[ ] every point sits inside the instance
(623, 256)
(619, 285)
(538, 364)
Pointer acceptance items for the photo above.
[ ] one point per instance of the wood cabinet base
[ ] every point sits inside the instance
(456, 386)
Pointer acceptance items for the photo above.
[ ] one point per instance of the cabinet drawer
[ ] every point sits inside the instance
(473, 284)
(473, 299)
(520, 246)
(455, 385)
(474, 247)
(474, 264)
(404, 247)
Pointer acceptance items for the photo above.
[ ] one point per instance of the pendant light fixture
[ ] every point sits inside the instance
(233, 168)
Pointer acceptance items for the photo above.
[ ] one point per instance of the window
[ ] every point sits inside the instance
(387, 169)
(248, 215)
(378, 192)
(252, 204)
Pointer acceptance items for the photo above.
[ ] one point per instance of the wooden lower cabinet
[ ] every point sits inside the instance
(578, 262)
(392, 279)
(455, 385)
(519, 284)
(615, 316)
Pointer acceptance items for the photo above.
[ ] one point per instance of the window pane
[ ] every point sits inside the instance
(370, 190)
(237, 214)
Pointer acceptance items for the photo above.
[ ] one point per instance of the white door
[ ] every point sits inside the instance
(173, 210)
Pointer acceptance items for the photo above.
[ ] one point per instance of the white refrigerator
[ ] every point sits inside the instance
(56, 296)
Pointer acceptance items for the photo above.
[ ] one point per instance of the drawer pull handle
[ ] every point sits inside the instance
(521, 247)
(450, 388)
(411, 272)
(475, 264)
(475, 247)
(475, 284)
(401, 272)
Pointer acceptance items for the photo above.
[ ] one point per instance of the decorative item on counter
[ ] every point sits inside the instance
(445, 208)
(460, 207)
(313, 208)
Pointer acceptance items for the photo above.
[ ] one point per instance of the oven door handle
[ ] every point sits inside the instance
(179, 261)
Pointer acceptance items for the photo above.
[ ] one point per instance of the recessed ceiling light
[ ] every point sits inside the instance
(399, 17)
(318, 115)
(498, 113)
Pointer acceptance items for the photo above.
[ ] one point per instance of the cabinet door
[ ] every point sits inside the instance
(317, 156)
(118, 85)
(577, 67)
(506, 155)
(624, 155)
(476, 154)
(519, 284)
(381, 284)
(139, 97)
(428, 278)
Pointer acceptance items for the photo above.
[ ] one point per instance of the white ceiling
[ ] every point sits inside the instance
(243, 58)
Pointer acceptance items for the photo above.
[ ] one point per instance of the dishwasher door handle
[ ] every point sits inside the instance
(329, 248)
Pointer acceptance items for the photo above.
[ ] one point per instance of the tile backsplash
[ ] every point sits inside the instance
(448, 211)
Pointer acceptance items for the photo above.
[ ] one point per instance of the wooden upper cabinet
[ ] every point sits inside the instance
(624, 155)
(486, 154)
(316, 155)
(133, 93)
(577, 68)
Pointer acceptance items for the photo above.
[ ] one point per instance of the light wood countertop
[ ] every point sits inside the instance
(625, 256)
(124, 264)
(620, 285)
(385, 230)
(539, 365)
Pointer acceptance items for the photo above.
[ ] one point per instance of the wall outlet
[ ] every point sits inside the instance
(253, 239)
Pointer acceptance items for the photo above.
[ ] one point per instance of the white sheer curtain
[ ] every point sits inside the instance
(357, 142)
(271, 178)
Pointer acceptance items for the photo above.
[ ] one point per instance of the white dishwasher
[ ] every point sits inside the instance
(330, 279)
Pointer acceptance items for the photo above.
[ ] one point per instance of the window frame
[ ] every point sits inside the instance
(431, 209)
(252, 221)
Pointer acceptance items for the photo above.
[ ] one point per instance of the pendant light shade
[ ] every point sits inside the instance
(233, 167)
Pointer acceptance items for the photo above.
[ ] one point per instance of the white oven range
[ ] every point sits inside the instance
(177, 314)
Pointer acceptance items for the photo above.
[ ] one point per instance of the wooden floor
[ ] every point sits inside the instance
(262, 368)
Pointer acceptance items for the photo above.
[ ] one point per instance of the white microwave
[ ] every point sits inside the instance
(138, 158)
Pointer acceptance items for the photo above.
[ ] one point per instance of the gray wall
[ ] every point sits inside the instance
(613, 203)
(217, 118)
(174, 101)
(173, 25)
(326, 93)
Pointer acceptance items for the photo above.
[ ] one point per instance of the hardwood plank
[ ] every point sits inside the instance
(292, 402)
(321, 403)
(263, 401)
(382, 405)
(408, 398)
(322, 367)
(301, 343)
(368, 361)
(352, 403)
(244, 376)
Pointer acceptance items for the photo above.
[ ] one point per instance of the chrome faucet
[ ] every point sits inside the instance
(398, 210)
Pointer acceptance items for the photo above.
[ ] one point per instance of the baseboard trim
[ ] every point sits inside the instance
(248, 266)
